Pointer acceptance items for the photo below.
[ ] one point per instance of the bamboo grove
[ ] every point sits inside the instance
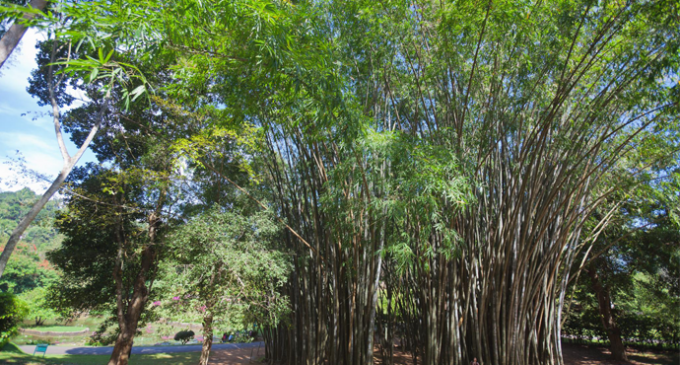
(447, 207)
(434, 163)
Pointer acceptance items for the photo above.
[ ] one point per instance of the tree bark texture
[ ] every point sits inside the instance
(11, 38)
(130, 302)
(129, 315)
(617, 348)
(207, 338)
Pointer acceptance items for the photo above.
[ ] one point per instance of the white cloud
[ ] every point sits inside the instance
(11, 180)
(45, 163)
(7, 109)
(22, 141)
(33, 133)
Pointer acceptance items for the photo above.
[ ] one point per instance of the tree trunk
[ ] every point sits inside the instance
(30, 216)
(11, 38)
(128, 316)
(207, 337)
(121, 349)
(69, 163)
(128, 320)
(617, 348)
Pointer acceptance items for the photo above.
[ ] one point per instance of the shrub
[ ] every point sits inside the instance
(184, 336)
(101, 339)
(12, 311)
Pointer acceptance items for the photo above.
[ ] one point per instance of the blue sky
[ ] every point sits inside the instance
(33, 133)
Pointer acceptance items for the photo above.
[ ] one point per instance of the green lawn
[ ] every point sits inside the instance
(13, 355)
(57, 328)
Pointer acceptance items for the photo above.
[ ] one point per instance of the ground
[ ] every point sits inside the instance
(584, 355)
(573, 355)
(12, 355)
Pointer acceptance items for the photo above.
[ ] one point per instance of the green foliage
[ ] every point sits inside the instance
(27, 271)
(227, 265)
(39, 83)
(38, 308)
(658, 306)
(85, 256)
(455, 147)
(184, 336)
(15, 205)
(7, 20)
(101, 337)
(28, 268)
(638, 265)
(12, 311)
(644, 311)
(426, 187)
(106, 219)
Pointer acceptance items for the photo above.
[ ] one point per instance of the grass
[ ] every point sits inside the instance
(653, 358)
(639, 345)
(11, 354)
(25, 339)
(58, 328)
(151, 334)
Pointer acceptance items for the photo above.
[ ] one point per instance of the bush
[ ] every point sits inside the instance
(101, 339)
(184, 336)
(12, 311)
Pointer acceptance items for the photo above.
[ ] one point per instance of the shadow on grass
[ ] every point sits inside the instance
(654, 358)
(11, 348)
(12, 355)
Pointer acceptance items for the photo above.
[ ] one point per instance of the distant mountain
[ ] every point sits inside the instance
(27, 268)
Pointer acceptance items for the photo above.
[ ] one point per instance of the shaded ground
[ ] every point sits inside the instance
(584, 355)
(12, 355)
(399, 358)
(573, 355)
(136, 350)
(239, 356)
(587, 355)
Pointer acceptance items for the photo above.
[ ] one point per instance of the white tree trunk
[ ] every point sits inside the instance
(26, 221)
(37, 207)
(69, 162)
(11, 38)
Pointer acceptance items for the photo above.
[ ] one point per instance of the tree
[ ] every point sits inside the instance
(51, 90)
(466, 145)
(38, 308)
(113, 229)
(27, 271)
(227, 264)
(11, 37)
(12, 311)
(624, 273)
(518, 97)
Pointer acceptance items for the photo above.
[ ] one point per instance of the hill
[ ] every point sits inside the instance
(28, 268)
